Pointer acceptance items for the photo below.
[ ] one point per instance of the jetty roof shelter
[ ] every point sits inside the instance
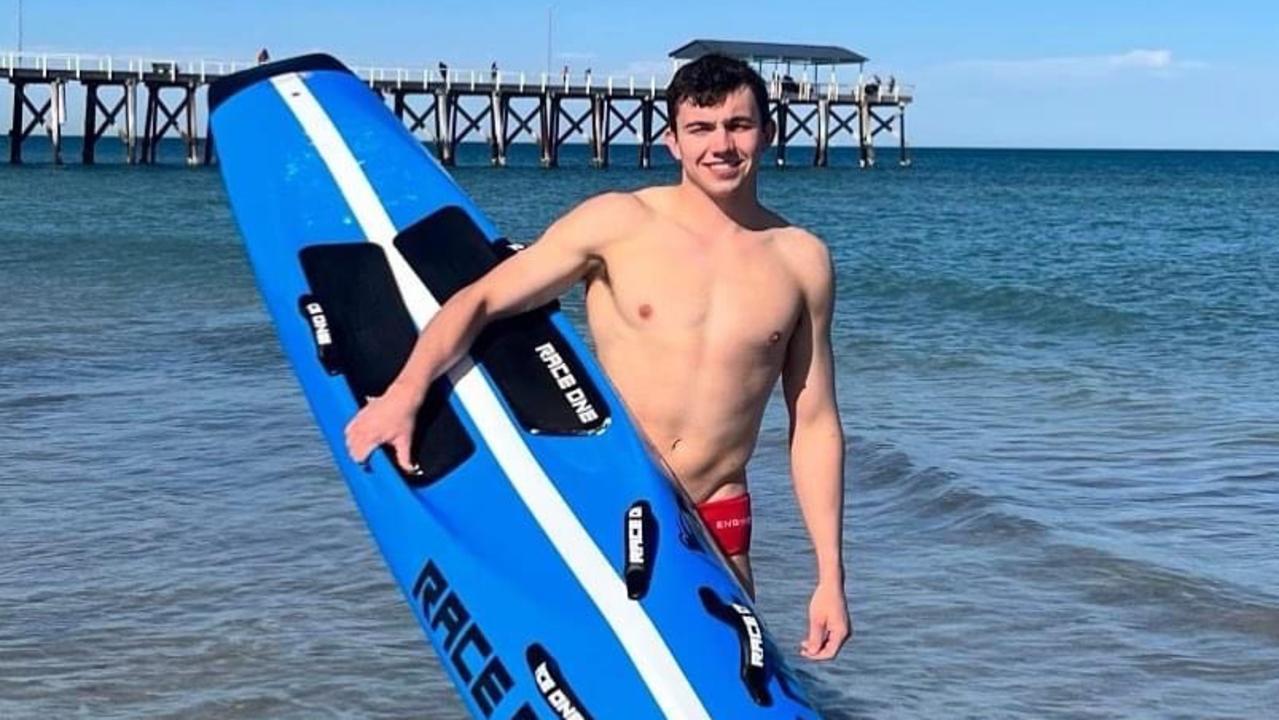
(768, 52)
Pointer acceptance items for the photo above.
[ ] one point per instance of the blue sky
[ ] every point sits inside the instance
(989, 73)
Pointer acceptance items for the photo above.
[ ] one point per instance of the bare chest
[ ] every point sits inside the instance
(733, 298)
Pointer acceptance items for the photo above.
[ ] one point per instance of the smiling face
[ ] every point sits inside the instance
(719, 146)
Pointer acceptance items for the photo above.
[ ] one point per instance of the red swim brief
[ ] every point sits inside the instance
(729, 521)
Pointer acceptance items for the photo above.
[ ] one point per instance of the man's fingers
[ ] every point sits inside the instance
(838, 639)
(836, 635)
(360, 446)
(816, 637)
(353, 443)
(359, 453)
(834, 640)
(357, 442)
(402, 458)
(353, 430)
(825, 638)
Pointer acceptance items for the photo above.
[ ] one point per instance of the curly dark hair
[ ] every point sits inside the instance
(709, 79)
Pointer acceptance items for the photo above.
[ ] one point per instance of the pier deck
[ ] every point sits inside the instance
(444, 106)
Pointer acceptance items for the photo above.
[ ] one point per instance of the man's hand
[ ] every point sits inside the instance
(828, 623)
(385, 420)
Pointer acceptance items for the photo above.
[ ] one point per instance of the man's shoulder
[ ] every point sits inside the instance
(598, 220)
(628, 202)
(792, 238)
(804, 252)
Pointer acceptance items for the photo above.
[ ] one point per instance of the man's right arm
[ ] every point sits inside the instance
(527, 280)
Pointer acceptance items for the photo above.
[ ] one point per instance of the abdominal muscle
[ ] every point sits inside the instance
(698, 403)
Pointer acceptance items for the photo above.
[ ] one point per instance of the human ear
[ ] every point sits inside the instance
(672, 143)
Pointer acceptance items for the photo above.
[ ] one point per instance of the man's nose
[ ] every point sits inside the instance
(721, 140)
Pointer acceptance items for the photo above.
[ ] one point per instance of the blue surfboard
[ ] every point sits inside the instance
(556, 570)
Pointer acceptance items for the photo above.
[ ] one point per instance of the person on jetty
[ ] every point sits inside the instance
(699, 299)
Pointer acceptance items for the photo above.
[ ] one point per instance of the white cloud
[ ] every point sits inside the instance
(1159, 61)
(1141, 58)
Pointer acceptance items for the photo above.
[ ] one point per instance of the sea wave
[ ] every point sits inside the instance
(1029, 307)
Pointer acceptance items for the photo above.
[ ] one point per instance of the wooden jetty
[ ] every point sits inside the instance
(447, 106)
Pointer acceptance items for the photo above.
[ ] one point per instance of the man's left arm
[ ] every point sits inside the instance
(817, 452)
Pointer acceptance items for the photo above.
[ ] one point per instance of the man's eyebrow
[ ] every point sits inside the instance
(733, 119)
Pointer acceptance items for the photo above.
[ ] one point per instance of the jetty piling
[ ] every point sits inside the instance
(94, 128)
(161, 116)
(20, 127)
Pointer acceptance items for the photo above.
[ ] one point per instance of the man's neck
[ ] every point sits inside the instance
(739, 210)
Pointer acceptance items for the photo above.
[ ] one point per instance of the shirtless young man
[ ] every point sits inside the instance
(698, 299)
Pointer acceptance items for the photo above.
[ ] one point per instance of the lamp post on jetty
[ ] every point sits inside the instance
(550, 9)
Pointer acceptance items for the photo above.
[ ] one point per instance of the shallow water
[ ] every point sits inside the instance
(1056, 373)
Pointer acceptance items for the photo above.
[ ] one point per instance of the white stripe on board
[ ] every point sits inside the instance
(633, 627)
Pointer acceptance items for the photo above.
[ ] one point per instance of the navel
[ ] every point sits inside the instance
(646, 311)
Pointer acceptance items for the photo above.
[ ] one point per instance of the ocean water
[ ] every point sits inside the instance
(1057, 374)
